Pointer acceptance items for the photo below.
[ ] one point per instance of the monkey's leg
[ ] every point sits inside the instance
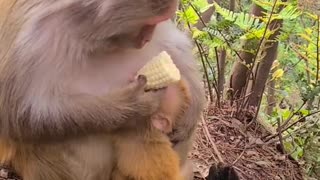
(186, 166)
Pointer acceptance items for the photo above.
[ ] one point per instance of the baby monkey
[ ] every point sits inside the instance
(146, 153)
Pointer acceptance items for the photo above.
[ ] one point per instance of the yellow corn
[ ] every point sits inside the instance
(160, 72)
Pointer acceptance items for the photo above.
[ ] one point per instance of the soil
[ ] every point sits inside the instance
(238, 143)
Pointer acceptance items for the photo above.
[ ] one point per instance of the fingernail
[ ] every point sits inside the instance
(142, 78)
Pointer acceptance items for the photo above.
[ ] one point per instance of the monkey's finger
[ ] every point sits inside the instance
(141, 84)
(157, 94)
(137, 85)
(142, 80)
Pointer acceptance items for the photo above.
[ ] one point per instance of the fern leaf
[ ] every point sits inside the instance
(289, 13)
(244, 20)
(201, 5)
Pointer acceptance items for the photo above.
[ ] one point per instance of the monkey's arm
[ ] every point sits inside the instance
(189, 72)
(65, 116)
(186, 126)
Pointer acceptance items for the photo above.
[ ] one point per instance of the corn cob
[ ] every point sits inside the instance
(160, 72)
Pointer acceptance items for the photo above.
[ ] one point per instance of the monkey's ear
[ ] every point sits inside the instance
(162, 123)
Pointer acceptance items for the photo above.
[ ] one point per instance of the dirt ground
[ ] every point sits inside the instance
(221, 138)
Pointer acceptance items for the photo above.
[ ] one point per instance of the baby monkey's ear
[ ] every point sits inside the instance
(162, 123)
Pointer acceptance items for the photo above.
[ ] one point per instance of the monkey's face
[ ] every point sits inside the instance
(120, 23)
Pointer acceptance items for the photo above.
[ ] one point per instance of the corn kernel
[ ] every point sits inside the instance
(160, 71)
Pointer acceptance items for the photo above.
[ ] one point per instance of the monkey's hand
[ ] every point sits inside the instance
(141, 105)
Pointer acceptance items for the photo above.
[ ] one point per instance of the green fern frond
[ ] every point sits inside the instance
(188, 16)
(244, 20)
(312, 16)
(257, 34)
(227, 14)
(217, 33)
(288, 13)
(306, 37)
(268, 4)
(200, 5)
(215, 43)
(264, 4)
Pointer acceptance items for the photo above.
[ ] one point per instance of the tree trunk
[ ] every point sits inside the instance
(206, 16)
(262, 68)
(239, 73)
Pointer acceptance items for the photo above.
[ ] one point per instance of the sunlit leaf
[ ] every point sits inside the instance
(278, 74)
(286, 114)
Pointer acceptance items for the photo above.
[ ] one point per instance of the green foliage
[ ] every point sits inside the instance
(244, 21)
(189, 14)
(304, 142)
(289, 12)
(296, 70)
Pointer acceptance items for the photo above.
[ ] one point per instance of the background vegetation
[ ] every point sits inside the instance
(263, 56)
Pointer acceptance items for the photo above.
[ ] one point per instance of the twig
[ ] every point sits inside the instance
(280, 135)
(239, 157)
(243, 97)
(219, 70)
(215, 149)
(292, 115)
(318, 51)
(205, 57)
(206, 72)
(302, 56)
(301, 119)
(291, 125)
(210, 66)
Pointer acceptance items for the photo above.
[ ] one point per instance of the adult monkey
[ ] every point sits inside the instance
(64, 72)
